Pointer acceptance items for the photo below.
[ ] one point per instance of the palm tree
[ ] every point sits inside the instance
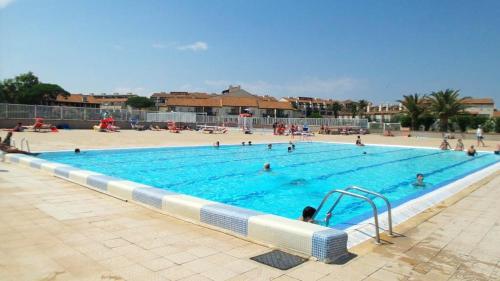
(354, 109)
(413, 107)
(362, 104)
(336, 107)
(446, 104)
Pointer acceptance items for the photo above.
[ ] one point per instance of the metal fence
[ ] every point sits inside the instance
(23, 111)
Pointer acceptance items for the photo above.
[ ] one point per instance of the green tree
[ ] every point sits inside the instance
(336, 108)
(413, 107)
(26, 88)
(353, 108)
(140, 102)
(497, 125)
(463, 121)
(426, 120)
(41, 93)
(444, 105)
(362, 104)
(315, 114)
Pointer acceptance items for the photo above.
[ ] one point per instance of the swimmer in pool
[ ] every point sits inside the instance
(308, 214)
(267, 167)
(420, 180)
(269, 146)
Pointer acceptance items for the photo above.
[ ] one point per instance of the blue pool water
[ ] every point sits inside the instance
(233, 174)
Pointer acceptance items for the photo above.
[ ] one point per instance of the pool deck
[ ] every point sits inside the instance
(51, 229)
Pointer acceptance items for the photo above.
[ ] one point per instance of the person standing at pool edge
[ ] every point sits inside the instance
(479, 136)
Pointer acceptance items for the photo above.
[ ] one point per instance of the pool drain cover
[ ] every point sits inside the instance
(279, 259)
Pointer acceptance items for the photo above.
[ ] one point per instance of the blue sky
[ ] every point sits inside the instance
(376, 50)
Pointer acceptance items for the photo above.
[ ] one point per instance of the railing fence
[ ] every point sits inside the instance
(23, 111)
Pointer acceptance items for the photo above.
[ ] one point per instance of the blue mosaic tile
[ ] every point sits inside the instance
(228, 217)
(100, 181)
(14, 158)
(329, 244)
(150, 196)
(37, 163)
(64, 171)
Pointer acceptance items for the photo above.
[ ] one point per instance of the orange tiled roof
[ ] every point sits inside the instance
(103, 100)
(496, 114)
(76, 98)
(478, 101)
(275, 105)
(208, 102)
(239, 101)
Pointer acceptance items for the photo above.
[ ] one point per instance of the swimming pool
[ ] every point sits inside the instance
(233, 174)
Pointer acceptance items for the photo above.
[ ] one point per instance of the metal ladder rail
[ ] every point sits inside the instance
(343, 192)
(389, 213)
(23, 141)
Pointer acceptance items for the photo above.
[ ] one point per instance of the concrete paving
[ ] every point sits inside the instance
(52, 229)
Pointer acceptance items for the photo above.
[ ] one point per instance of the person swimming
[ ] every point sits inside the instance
(269, 146)
(267, 167)
(420, 180)
(308, 214)
(217, 144)
(289, 149)
(249, 142)
(243, 143)
(77, 150)
(471, 151)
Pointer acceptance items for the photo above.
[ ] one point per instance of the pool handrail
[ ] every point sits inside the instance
(342, 193)
(388, 204)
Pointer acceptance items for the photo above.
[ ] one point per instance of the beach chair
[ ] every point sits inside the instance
(39, 126)
(172, 127)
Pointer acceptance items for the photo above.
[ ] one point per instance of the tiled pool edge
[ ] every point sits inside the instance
(325, 244)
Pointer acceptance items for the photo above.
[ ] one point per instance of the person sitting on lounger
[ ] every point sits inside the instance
(39, 125)
(358, 141)
(18, 128)
(445, 145)
(459, 146)
(471, 151)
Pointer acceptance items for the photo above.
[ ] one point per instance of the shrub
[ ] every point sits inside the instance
(488, 126)
(426, 120)
(478, 120)
(497, 125)
(463, 121)
(405, 121)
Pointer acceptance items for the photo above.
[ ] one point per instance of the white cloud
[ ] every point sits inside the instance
(197, 46)
(5, 3)
(339, 88)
